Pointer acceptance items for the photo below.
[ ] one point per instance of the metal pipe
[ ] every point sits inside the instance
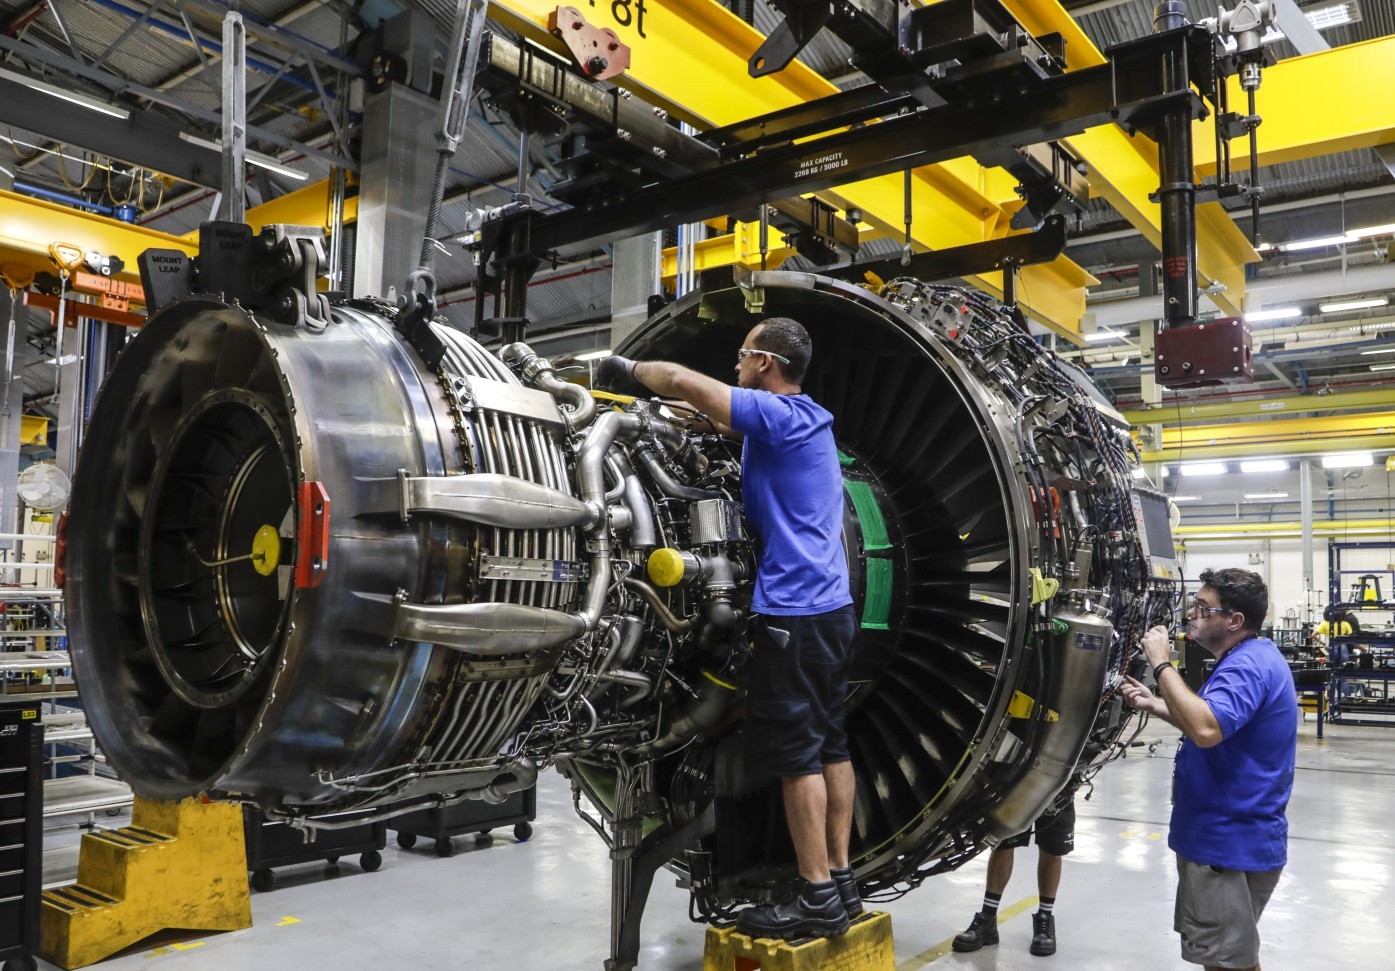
(63, 197)
(539, 372)
(656, 604)
(494, 500)
(1177, 194)
(590, 474)
(666, 483)
(486, 629)
(643, 534)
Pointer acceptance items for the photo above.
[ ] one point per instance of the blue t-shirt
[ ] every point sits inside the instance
(1228, 801)
(792, 488)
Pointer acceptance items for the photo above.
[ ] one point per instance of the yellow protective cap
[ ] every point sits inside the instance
(266, 550)
(666, 567)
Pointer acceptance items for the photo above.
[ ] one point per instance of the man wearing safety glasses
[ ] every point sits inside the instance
(792, 490)
(1234, 768)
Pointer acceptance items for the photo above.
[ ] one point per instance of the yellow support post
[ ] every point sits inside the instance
(741, 248)
(867, 946)
(178, 865)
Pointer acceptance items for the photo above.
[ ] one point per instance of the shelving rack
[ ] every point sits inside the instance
(1361, 578)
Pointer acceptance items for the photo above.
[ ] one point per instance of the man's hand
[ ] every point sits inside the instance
(1139, 698)
(1157, 645)
(614, 372)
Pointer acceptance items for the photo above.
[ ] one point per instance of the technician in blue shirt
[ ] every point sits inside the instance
(792, 490)
(1234, 770)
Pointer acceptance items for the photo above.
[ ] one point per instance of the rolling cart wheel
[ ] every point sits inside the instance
(113, 811)
(445, 846)
(406, 840)
(331, 861)
(482, 832)
(263, 880)
(522, 831)
(25, 963)
(371, 860)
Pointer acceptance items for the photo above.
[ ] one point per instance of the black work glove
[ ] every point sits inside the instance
(614, 372)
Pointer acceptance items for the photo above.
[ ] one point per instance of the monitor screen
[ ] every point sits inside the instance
(1156, 532)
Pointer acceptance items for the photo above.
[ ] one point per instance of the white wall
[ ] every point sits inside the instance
(1281, 565)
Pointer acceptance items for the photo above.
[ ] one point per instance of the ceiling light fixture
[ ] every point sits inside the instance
(1381, 350)
(1346, 460)
(1266, 495)
(592, 355)
(1385, 230)
(253, 158)
(1104, 335)
(1315, 243)
(1345, 305)
(1278, 313)
(1264, 465)
(1383, 367)
(1184, 498)
(1204, 468)
(72, 97)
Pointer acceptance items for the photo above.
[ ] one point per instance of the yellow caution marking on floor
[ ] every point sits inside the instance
(287, 921)
(1132, 833)
(158, 951)
(944, 947)
(188, 945)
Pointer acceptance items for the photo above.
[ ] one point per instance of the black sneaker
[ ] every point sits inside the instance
(816, 912)
(983, 929)
(1043, 934)
(847, 889)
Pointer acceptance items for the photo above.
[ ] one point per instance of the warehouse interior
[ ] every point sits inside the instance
(390, 242)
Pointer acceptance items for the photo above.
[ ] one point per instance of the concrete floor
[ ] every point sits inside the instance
(508, 906)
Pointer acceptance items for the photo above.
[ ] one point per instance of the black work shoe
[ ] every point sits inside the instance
(847, 889)
(1043, 934)
(983, 929)
(816, 912)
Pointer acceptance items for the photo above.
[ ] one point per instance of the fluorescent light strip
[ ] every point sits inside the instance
(1264, 465)
(1204, 468)
(1337, 308)
(1266, 495)
(1104, 335)
(1383, 367)
(252, 158)
(1184, 498)
(1346, 460)
(1278, 313)
(1386, 230)
(592, 355)
(72, 97)
(1381, 350)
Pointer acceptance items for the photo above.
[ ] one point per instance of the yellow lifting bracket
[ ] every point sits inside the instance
(867, 946)
(178, 865)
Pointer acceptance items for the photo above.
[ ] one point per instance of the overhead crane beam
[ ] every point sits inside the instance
(1179, 412)
(28, 226)
(689, 56)
(1297, 436)
(1319, 104)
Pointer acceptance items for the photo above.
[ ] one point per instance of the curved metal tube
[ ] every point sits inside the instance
(667, 484)
(578, 407)
(520, 774)
(656, 604)
(492, 499)
(643, 534)
(486, 629)
(590, 474)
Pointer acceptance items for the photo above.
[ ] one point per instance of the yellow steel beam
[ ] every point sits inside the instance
(28, 226)
(1319, 104)
(690, 57)
(1243, 530)
(33, 430)
(1282, 430)
(309, 206)
(741, 248)
(1173, 413)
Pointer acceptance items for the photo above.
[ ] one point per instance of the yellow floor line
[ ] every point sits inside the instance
(944, 947)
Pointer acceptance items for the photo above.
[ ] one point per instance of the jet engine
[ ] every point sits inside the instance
(340, 572)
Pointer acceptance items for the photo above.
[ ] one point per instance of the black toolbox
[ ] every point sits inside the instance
(21, 833)
(471, 816)
(274, 844)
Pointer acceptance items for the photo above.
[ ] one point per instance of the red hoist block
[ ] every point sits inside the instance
(1216, 352)
(312, 538)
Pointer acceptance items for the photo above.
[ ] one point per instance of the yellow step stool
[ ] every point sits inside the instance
(178, 865)
(867, 946)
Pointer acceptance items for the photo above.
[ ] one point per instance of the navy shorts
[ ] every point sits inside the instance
(797, 689)
(1055, 834)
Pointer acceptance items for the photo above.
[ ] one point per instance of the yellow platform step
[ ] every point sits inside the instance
(178, 865)
(867, 946)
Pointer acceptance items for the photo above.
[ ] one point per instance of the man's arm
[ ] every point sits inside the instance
(707, 395)
(1186, 710)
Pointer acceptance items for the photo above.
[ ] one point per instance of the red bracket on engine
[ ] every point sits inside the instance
(598, 50)
(312, 538)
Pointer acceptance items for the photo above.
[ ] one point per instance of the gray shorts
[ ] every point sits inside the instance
(1218, 913)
